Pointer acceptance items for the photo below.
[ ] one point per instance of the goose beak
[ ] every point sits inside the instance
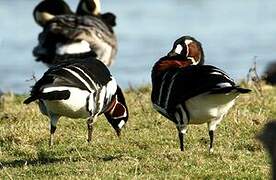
(172, 53)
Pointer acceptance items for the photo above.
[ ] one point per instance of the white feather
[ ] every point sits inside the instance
(224, 84)
(178, 49)
(207, 107)
(95, 85)
(79, 77)
(121, 124)
(74, 107)
(188, 41)
(73, 48)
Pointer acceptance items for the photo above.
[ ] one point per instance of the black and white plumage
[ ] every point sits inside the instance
(188, 92)
(80, 88)
(77, 33)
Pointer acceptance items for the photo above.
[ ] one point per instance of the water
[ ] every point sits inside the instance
(232, 34)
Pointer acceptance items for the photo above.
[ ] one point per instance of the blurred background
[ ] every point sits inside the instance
(232, 34)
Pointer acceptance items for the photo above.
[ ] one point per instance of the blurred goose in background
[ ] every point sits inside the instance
(80, 88)
(89, 8)
(48, 9)
(268, 138)
(77, 33)
(270, 74)
(187, 92)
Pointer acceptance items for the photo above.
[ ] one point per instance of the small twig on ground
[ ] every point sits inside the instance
(80, 154)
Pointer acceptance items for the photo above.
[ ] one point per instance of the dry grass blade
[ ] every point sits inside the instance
(254, 79)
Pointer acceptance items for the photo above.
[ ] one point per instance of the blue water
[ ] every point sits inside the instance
(232, 34)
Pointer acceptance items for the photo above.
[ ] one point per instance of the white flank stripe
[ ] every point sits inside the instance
(111, 87)
(102, 95)
(73, 48)
(160, 109)
(91, 103)
(169, 91)
(95, 86)
(178, 49)
(183, 113)
(224, 85)
(121, 124)
(54, 88)
(216, 73)
(177, 117)
(161, 89)
(80, 78)
(224, 74)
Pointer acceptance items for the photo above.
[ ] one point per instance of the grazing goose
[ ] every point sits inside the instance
(80, 88)
(187, 92)
(78, 33)
(48, 9)
(268, 137)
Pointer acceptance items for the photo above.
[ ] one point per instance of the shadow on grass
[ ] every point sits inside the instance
(109, 157)
(25, 162)
(43, 157)
(46, 156)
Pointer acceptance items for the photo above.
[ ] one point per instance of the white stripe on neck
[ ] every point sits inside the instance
(73, 48)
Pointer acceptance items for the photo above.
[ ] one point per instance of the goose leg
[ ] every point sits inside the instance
(53, 127)
(181, 140)
(90, 128)
(212, 127)
(181, 118)
(211, 135)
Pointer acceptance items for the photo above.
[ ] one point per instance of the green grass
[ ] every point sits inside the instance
(147, 149)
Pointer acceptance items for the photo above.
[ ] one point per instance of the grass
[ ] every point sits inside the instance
(148, 148)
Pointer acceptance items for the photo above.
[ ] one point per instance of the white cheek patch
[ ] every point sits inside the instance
(73, 48)
(178, 49)
(194, 62)
(121, 124)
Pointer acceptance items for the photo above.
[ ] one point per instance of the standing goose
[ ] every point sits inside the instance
(78, 33)
(80, 88)
(187, 92)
